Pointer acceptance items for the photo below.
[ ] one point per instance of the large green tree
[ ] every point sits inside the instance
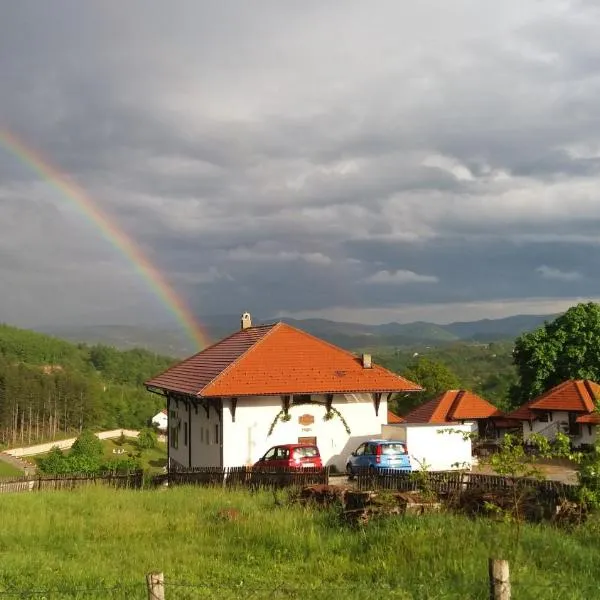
(432, 375)
(566, 348)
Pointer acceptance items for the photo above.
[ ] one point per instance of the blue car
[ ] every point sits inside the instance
(375, 455)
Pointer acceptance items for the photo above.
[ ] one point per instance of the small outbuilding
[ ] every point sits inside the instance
(434, 447)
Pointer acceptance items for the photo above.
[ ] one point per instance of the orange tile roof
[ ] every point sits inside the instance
(393, 418)
(276, 360)
(571, 395)
(576, 395)
(590, 418)
(523, 413)
(453, 405)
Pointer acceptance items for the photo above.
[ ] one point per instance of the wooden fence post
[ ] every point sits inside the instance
(499, 579)
(156, 586)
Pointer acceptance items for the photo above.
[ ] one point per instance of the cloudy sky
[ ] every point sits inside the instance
(354, 160)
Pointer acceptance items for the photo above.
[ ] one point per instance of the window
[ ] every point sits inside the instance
(173, 429)
(360, 450)
(185, 434)
(216, 433)
(308, 452)
(393, 449)
(270, 455)
(282, 453)
(371, 449)
(543, 417)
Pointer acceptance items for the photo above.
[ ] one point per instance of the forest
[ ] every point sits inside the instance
(50, 388)
(486, 369)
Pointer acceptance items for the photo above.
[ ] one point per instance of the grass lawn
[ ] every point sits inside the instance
(152, 460)
(64, 543)
(7, 470)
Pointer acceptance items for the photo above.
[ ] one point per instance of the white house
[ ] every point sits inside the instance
(569, 407)
(161, 420)
(272, 384)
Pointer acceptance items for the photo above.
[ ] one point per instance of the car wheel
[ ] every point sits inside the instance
(349, 472)
(372, 470)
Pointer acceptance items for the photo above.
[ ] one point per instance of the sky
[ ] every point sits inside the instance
(392, 162)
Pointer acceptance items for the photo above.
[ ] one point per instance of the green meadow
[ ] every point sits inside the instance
(211, 543)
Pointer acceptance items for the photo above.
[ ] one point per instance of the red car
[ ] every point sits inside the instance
(291, 456)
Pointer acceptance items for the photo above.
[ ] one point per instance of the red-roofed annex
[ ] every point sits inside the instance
(457, 406)
(272, 384)
(569, 407)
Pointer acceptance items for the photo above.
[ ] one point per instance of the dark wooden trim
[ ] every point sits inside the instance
(206, 406)
(377, 402)
(285, 403)
(168, 432)
(233, 408)
(328, 401)
(189, 434)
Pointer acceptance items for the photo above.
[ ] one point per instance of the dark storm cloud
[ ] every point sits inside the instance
(303, 157)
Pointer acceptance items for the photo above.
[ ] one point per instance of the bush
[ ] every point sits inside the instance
(54, 463)
(147, 439)
(88, 445)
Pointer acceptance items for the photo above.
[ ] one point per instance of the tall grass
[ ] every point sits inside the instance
(64, 543)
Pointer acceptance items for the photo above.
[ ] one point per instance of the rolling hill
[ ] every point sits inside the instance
(348, 335)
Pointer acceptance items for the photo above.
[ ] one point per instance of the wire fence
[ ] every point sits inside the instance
(174, 589)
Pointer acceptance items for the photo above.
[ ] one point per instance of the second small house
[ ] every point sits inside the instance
(273, 384)
(568, 408)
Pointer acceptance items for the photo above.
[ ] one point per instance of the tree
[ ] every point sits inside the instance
(566, 348)
(147, 439)
(88, 445)
(434, 376)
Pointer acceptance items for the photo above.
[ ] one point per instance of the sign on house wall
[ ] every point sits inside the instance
(306, 420)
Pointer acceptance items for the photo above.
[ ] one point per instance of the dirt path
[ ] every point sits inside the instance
(66, 444)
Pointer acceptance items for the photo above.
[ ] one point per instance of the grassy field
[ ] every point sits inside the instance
(7, 470)
(100, 543)
(152, 460)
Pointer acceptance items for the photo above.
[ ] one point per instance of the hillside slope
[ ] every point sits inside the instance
(50, 387)
(348, 335)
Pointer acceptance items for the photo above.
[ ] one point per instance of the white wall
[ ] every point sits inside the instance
(203, 445)
(160, 420)
(559, 417)
(177, 411)
(439, 447)
(246, 440)
(206, 436)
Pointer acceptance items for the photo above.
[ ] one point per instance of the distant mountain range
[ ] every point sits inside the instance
(347, 335)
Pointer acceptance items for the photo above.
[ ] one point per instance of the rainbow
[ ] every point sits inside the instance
(111, 232)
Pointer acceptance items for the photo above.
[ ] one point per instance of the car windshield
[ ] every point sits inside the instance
(393, 449)
(306, 452)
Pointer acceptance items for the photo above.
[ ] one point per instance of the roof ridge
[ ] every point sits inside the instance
(592, 396)
(338, 349)
(242, 355)
(455, 402)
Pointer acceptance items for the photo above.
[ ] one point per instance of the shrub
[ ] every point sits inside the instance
(147, 439)
(87, 444)
(54, 463)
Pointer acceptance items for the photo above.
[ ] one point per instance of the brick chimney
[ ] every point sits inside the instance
(246, 321)
(366, 361)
